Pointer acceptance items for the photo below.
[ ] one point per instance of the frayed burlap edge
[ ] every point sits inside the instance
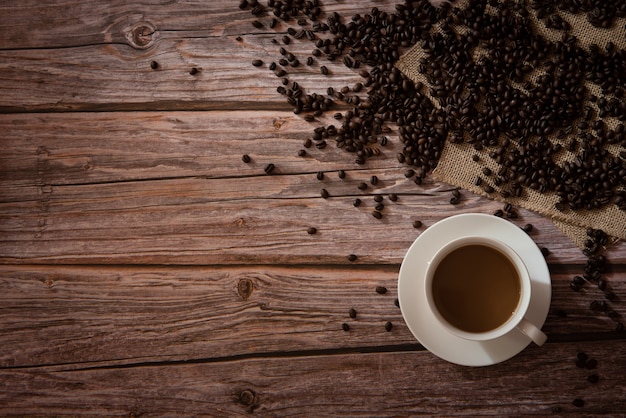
(456, 166)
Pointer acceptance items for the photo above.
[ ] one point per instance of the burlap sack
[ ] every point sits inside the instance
(456, 166)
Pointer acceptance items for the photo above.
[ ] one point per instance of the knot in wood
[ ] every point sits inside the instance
(245, 288)
(246, 397)
(141, 35)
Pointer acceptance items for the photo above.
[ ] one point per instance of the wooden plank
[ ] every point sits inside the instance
(538, 381)
(196, 221)
(33, 24)
(85, 148)
(114, 316)
(111, 75)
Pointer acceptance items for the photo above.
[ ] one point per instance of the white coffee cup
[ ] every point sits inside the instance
(517, 318)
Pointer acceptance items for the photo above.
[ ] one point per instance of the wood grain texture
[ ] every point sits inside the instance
(145, 270)
(540, 381)
(77, 192)
(112, 316)
(93, 64)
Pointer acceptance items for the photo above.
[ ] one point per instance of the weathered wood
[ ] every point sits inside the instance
(34, 24)
(112, 316)
(197, 221)
(538, 381)
(84, 194)
(101, 71)
(248, 317)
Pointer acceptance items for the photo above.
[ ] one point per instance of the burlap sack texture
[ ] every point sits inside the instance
(456, 166)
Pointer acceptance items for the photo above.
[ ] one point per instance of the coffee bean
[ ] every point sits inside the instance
(486, 171)
(393, 197)
(320, 175)
(527, 228)
(311, 230)
(154, 65)
(356, 202)
(324, 193)
(381, 290)
(341, 174)
(579, 403)
(257, 24)
(352, 257)
(246, 158)
(545, 252)
(388, 326)
(374, 180)
(396, 302)
(362, 186)
(376, 214)
(257, 63)
(352, 313)
(345, 327)
(593, 378)
(417, 224)
(301, 153)
(324, 70)
(269, 168)
(378, 198)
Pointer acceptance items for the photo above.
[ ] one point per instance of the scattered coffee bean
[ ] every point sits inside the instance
(362, 186)
(381, 290)
(356, 202)
(352, 257)
(388, 326)
(246, 158)
(352, 313)
(320, 175)
(341, 174)
(545, 251)
(579, 403)
(311, 230)
(378, 198)
(301, 153)
(591, 364)
(324, 193)
(269, 168)
(154, 65)
(377, 214)
(393, 197)
(257, 24)
(593, 378)
(396, 302)
(374, 180)
(194, 71)
(527, 228)
(257, 63)
(324, 70)
(345, 327)
(417, 224)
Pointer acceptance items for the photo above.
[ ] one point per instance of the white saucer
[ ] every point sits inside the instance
(422, 322)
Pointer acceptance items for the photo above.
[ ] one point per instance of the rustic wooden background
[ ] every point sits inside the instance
(146, 270)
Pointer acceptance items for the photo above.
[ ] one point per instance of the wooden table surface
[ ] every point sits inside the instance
(146, 270)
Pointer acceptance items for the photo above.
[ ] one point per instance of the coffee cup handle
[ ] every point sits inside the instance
(532, 332)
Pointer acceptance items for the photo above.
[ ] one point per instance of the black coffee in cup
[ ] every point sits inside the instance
(476, 288)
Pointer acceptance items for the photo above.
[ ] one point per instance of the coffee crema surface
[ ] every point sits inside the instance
(476, 288)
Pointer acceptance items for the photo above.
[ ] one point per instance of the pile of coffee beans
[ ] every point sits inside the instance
(493, 81)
